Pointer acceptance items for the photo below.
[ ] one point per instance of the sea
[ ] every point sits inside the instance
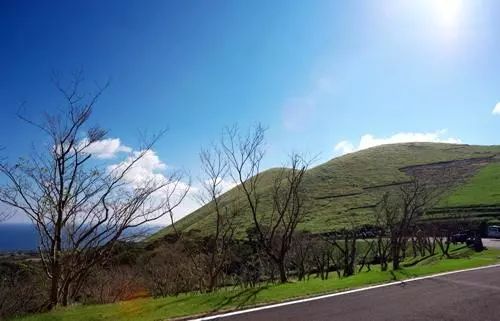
(24, 237)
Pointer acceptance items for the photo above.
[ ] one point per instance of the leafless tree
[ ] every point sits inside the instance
(79, 206)
(382, 245)
(323, 254)
(345, 242)
(301, 254)
(216, 169)
(274, 230)
(368, 252)
(398, 213)
(4, 214)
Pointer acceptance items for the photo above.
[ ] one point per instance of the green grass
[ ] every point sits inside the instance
(344, 188)
(192, 304)
(482, 189)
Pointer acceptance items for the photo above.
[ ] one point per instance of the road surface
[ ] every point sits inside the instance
(492, 243)
(465, 296)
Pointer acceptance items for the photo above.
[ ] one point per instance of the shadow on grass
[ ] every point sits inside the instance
(159, 304)
(239, 299)
(459, 248)
(417, 260)
(403, 274)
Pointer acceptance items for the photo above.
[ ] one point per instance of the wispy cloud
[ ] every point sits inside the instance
(299, 111)
(496, 109)
(368, 140)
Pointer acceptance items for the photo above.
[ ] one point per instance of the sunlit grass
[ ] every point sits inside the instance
(228, 299)
(483, 188)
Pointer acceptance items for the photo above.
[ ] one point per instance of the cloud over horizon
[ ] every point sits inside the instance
(368, 140)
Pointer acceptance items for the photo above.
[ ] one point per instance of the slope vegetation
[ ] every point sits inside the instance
(344, 190)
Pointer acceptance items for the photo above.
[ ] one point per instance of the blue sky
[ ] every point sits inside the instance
(319, 74)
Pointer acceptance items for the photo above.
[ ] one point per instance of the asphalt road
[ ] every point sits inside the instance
(465, 296)
(492, 243)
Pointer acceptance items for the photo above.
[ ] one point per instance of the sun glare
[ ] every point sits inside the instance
(448, 12)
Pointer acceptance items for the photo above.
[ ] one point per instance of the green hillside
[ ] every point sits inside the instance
(482, 189)
(345, 189)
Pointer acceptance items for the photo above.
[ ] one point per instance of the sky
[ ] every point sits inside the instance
(326, 77)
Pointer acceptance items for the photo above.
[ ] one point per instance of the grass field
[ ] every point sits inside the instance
(344, 189)
(482, 189)
(228, 299)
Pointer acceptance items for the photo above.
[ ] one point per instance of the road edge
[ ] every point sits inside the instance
(325, 296)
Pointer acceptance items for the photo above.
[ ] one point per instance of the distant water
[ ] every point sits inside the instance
(18, 237)
(24, 237)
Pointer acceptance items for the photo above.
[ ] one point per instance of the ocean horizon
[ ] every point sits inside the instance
(24, 237)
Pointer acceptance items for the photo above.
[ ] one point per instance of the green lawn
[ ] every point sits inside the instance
(228, 299)
(482, 189)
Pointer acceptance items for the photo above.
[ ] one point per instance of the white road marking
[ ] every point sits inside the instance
(272, 306)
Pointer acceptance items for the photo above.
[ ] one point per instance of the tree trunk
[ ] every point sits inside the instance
(55, 270)
(282, 270)
(395, 257)
(54, 286)
(65, 294)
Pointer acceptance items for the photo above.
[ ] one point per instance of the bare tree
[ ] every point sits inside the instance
(368, 252)
(345, 241)
(216, 169)
(323, 253)
(4, 214)
(383, 214)
(301, 254)
(79, 206)
(275, 230)
(398, 214)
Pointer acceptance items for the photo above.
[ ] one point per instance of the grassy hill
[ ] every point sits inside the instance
(344, 190)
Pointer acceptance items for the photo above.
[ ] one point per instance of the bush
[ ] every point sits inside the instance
(22, 289)
(169, 271)
(113, 283)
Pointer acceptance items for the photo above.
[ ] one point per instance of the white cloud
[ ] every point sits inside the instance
(151, 167)
(496, 109)
(344, 147)
(148, 167)
(107, 148)
(226, 185)
(188, 205)
(368, 140)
